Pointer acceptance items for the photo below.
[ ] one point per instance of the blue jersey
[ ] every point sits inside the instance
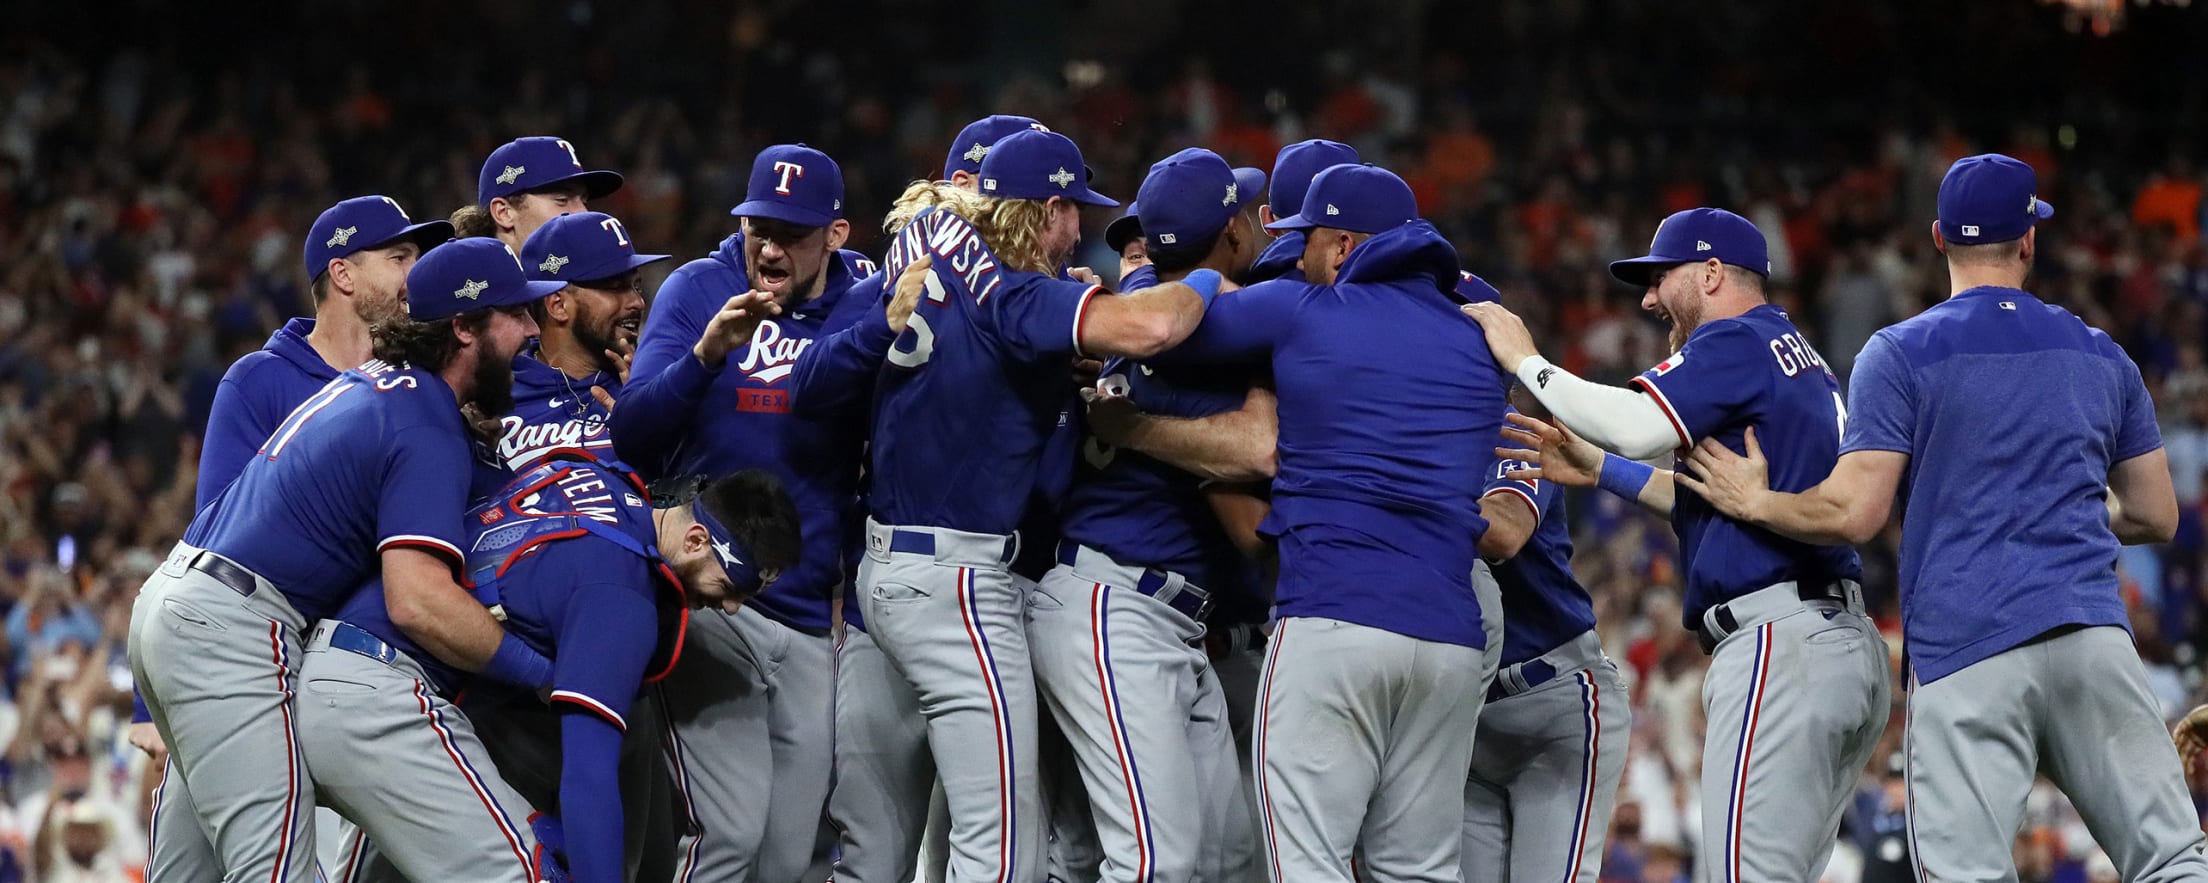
(255, 394)
(1279, 260)
(1144, 512)
(2012, 411)
(1543, 603)
(1390, 405)
(1754, 369)
(553, 411)
(678, 417)
(377, 459)
(974, 387)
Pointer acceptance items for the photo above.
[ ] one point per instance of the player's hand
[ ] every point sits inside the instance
(1557, 453)
(2191, 737)
(1731, 483)
(1507, 336)
(1084, 274)
(145, 737)
(602, 397)
(622, 354)
(910, 284)
(733, 326)
(1112, 416)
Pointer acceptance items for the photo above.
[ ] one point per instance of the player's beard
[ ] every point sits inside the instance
(494, 383)
(799, 289)
(380, 307)
(1684, 322)
(597, 334)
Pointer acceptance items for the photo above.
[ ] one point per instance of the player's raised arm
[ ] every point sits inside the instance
(1617, 419)
(1150, 321)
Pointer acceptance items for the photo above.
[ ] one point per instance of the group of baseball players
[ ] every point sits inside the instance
(1256, 568)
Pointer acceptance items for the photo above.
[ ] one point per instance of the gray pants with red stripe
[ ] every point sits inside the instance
(1793, 705)
(406, 767)
(219, 671)
(1127, 679)
(1545, 771)
(1363, 746)
(953, 623)
(2075, 705)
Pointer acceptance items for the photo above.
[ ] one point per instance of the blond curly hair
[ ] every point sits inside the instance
(1013, 228)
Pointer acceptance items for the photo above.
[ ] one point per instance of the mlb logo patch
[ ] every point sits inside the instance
(1677, 359)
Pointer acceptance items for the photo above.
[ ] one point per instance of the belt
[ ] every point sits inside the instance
(239, 579)
(1222, 642)
(352, 639)
(1772, 602)
(1579, 653)
(1168, 588)
(953, 547)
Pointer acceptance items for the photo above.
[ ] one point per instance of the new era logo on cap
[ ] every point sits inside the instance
(1330, 209)
(1699, 245)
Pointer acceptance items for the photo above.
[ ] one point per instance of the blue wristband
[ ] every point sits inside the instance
(514, 663)
(1206, 283)
(1624, 477)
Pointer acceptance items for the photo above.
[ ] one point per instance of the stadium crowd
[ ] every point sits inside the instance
(150, 213)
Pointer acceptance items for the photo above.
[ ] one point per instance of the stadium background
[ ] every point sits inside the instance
(159, 163)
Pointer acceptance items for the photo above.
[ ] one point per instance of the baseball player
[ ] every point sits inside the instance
(1115, 629)
(356, 256)
(564, 387)
(752, 711)
(526, 182)
(375, 463)
(1365, 704)
(1124, 237)
(2015, 505)
(573, 559)
(1551, 745)
(565, 384)
(963, 406)
(884, 775)
(1797, 690)
(1293, 170)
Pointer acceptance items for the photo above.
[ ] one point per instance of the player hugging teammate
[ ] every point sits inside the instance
(528, 575)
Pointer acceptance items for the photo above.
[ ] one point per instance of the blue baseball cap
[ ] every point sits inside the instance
(735, 560)
(585, 246)
(538, 161)
(1125, 228)
(1249, 186)
(796, 184)
(469, 274)
(1297, 164)
(1990, 198)
(362, 223)
(1360, 198)
(1038, 165)
(1696, 235)
(974, 141)
(1187, 198)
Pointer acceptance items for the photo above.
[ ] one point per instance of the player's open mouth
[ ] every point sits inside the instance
(630, 324)
(773, 276)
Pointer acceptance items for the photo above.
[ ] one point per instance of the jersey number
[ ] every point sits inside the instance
(1840, 410)
(300, 415)
(923, 346)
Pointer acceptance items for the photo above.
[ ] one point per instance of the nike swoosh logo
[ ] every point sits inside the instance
(555, 403)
